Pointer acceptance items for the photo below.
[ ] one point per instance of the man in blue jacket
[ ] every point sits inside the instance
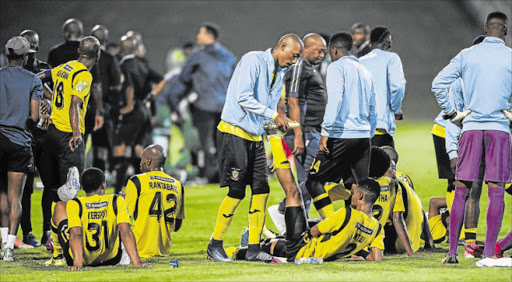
(349, 123)
(251, 102)
(388, 75)
(487, 74)
(207, 72)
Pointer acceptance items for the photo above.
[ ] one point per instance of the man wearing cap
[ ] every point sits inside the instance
(20, 96)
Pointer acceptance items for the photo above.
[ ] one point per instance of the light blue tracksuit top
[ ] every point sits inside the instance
(350, 110)
(250, 102)
(452, 131)
(388, 77)
(486, 70)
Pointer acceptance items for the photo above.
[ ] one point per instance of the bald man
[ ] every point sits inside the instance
(64, 148)
(72, 31)
(156, 204)
(251, 102)
(306, 98)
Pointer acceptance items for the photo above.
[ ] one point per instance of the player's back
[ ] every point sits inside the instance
(69, 79)
(98, 216)
(344, 233)
(413, 214)
(155, 200)
(387, 202)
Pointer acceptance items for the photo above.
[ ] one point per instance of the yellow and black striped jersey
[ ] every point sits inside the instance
(344, 233)
(413, 214)
(69, 79)
(389, 201)
(154, 200)
(98, 216)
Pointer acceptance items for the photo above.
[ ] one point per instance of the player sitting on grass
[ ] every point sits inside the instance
(91, 228)
(348, 231)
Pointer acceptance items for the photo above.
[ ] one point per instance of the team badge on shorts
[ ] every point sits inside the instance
(235, 174)
(80, 87)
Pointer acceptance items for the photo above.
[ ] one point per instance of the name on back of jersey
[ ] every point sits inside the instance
(63, 74)
(163, 185)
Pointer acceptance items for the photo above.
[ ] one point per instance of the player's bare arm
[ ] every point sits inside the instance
(128, 240)
(429, 242)
(401, 231)
(295, 115)
(435, 204)
(75, 243)
(34, 110)
(74, 119)
(129, 101)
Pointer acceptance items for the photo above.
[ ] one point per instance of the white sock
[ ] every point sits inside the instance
(3, 232)
(10, 241)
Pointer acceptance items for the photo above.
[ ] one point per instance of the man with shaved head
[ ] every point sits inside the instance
(72, 30)
(35, 66)
(156, 204)
(306, 98)
(110, 76)
(251, 102)
(64, 147)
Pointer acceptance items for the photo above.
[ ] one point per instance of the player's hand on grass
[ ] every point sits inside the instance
(323, 144)
(74, 267)
(74, 142)
(453, 165)
(282, 123)
(298, 144)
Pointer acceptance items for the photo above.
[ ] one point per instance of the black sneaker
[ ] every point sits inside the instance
(453, 258)
(259, 256)
(31, 240)
(217, 253)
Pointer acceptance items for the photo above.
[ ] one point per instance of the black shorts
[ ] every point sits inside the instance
(348, 159)
(14, 157)
(132, 127)
(57, 157)
(241, 163)
(383, 140)
(443, 160)
(103, 136)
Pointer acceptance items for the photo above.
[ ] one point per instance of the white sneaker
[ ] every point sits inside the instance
(70, 189)
(277, 218)
(492, 262)
(125, 258)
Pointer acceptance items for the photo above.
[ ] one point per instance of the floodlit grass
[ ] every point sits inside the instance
(414, 143)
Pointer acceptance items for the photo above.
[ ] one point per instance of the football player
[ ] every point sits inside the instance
(156, 204)
(91, 228)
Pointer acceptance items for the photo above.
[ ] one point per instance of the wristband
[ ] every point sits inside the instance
(274, 116)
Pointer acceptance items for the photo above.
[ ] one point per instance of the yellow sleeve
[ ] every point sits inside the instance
(122, 211)
(73, 212)
(54, 73)
(82, 84)
(131, 197)
(399, 200)
(181, 215)
(332, 222)
(378, 242)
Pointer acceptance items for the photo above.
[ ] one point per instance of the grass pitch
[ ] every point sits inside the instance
(417, 158)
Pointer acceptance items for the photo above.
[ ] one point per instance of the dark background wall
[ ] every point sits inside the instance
(426, 34)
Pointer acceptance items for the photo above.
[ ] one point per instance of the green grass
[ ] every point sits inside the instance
(417, 159)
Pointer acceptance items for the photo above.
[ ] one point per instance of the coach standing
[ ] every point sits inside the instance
(252, 97)
(207, 71)
(20, 97)
(388, 76)
(487, 75)
(349, 123)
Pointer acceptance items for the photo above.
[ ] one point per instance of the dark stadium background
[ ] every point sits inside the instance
(426, 34)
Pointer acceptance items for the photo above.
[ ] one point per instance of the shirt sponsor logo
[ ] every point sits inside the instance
(161, 178)
(384, 188)
(96, 206)
(364, 229)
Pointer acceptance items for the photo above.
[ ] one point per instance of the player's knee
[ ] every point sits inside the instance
(315, 188)
(236, 192)
(260, 188)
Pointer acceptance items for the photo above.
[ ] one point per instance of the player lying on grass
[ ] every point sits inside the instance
(348, 231)
(91, 228)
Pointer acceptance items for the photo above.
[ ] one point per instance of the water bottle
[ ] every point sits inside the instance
(310, 260)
